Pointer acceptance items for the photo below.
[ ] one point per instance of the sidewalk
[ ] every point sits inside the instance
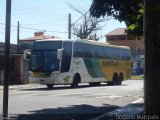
(133, 111)
(21, 86)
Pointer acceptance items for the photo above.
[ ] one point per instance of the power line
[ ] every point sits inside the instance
(50, 23)
(34, 28)
(40, 30)
(80, 17)
(36, 7)
(41, 9)
(41, 12)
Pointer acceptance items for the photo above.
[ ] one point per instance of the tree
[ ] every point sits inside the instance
(130, 11)
(152, 56)
(87, 29)
(89, 26)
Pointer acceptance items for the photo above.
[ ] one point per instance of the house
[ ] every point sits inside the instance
(28, 42)
(18, 67)
(136, 44)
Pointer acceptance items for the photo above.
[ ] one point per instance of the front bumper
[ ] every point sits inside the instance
(47, 80)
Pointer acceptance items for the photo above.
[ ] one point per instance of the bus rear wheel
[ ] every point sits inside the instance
(120, 79)
(115, 79)
(76, 80)
(49, 86)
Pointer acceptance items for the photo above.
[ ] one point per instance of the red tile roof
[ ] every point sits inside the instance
(40, 38)
(118, 31)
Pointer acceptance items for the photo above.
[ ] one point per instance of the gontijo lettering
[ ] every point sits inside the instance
(110, 63)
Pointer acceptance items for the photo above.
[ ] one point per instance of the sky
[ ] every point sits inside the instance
(50, 16)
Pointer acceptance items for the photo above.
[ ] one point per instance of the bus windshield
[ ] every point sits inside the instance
(44, 61)
(44, 56)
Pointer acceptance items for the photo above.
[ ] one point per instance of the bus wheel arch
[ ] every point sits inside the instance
(76, 80)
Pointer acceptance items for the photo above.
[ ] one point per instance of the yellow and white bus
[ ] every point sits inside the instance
(78, 61)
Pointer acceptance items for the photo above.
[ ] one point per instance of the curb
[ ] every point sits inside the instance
(21, 86)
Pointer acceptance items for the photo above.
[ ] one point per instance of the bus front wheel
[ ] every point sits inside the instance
(49, 86)
(76, 80)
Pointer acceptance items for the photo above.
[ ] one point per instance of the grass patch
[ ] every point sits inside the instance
(139, 77)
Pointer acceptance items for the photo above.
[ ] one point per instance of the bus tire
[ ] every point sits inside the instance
(115, 79)
(109, 83)
(120, 79)
(94, 83)
(49, 86)
(76, 80)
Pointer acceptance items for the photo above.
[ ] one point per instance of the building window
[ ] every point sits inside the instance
(121, 37)
(131, 37)
(111, 37)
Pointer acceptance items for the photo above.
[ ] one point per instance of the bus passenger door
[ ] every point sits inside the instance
(66, 57)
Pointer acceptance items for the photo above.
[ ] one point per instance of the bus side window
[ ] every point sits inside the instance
(84, 50)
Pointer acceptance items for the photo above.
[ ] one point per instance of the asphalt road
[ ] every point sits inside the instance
(63, 101)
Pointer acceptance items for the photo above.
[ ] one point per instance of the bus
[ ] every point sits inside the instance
(63, 62)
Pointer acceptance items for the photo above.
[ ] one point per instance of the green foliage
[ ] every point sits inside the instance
(158, 8)
(129, 11)
(132, 27)
(139, 77)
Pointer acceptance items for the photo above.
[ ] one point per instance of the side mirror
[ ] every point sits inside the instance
(27, 54)
(59, 53)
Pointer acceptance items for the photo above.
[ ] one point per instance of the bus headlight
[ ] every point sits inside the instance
(54, 74)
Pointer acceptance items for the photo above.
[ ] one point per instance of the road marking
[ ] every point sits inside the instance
(63, 94)
(110, 97)
(137, 101)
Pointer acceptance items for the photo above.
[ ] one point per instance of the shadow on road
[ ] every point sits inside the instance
(75, 112)
(62, 87)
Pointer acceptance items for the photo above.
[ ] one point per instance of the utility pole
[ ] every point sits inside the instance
(18, 37)
(18, 26)
(7, 61)
(69, 27)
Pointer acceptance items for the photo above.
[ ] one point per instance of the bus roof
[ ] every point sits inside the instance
(101, 43)
(85, 41)
(46, 40)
